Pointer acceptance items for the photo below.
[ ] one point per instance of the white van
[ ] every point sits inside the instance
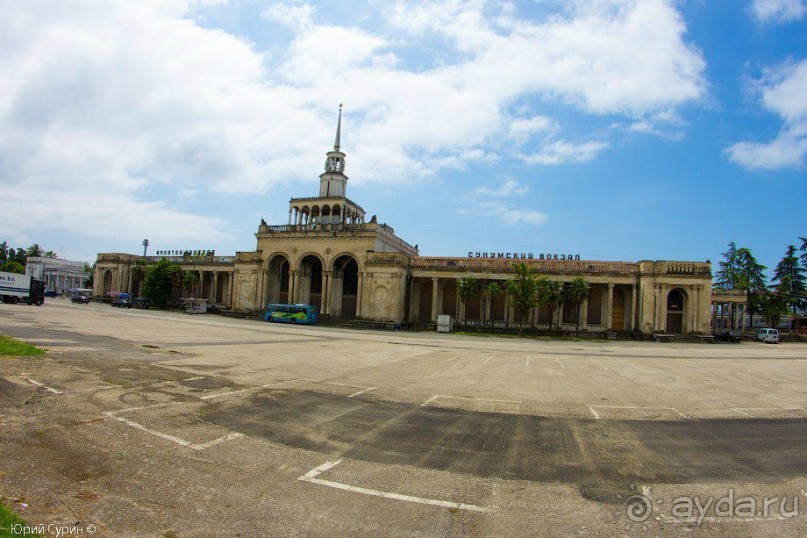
(769, 336)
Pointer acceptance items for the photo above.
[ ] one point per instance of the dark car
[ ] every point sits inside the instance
(80, 299)
(51, 293)
(141, 302)
(730, 336)
(122, 303)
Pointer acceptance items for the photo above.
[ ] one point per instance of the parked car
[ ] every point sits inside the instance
(51, 293)
(122, 303)
(141, 302)
(80, 299)
(730, 336)
(768, 335)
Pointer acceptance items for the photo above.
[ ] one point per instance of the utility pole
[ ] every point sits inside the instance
(145, 246)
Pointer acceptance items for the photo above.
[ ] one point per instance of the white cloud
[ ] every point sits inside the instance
(479, 204)
(560, 152)
(782, 93)
(522, 128)
(510, 215)
(510, 187)
(779, 11)
(136, 101)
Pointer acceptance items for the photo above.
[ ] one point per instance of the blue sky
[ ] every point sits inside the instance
(613, 129)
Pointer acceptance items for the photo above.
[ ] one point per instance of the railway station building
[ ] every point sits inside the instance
(329, 254)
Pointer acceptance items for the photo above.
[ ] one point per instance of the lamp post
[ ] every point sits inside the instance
(145, 246)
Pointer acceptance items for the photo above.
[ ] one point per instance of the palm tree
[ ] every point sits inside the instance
(467, 287)
(549, 293)
(34, 251)
(523, 290)
(576, 292)
(50, 254)
(493, 290)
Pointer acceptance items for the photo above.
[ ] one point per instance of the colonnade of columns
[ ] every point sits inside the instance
(728, 316)
(304, 216)
(61, 283)
(329, 296)
(606, 312)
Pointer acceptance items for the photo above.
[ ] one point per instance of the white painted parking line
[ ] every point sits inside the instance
(742, 410)
(561, 364)
(527, 361)
(673, 409)
(360, 392)
(311, 476)
(436, 396)
(43, 386)
(193, 378)
(168, 437)
(600, 365)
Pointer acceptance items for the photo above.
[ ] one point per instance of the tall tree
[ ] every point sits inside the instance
(160, 281)
(467, 288)
(576, 292)
(752, 279)
(727, 276)
(550, 293)
(493, 290)
(788, 277)
(3, 252)
(34, 251)
(803, 249)
(50, 254)
(772, 306)
(522, 291)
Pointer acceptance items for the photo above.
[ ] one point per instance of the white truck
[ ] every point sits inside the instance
(15, 288)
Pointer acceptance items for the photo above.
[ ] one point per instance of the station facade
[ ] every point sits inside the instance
(329, 255)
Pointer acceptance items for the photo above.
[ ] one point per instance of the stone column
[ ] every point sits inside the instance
(609, 307)
(634, 291)
(435, 282)
(214, 288)
(559, 316)
(292, 287)
(583, 317)
(326, 280)
(360, 295)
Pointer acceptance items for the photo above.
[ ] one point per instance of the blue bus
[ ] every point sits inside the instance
(291, 313)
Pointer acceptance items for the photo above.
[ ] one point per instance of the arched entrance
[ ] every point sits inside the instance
(675, 311)
(277, 289)
(345, 287)
(618, 309)
(311, 281)
(106, 286)
(425, 302)
(450, 299)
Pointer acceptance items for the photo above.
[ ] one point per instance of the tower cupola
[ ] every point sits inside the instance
(333, 182)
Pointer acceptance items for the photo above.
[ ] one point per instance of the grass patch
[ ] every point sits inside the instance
(10, 346)
(7, 520)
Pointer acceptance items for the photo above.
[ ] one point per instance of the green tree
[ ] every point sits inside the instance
(575, 292)
(522, 291)
(13, 266)
(751, 278)
(189, 280)
(550, 293)
(493, 290)
(727, 276)
(90, 271)
(773, 307)
(50, 254)
(467, 287)
(788, 278)
(34, 251)
(3, 252)
(160, 280)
